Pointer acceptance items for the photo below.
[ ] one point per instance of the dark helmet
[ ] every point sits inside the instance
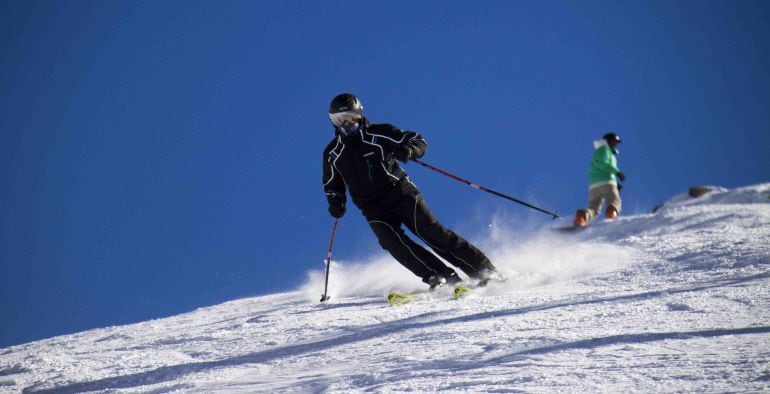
(609, 137)
(345, 102)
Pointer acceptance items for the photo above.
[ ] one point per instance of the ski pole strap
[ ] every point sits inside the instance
(479, 187)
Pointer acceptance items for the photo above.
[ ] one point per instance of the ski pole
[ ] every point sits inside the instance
(324, 297)
(475, 186)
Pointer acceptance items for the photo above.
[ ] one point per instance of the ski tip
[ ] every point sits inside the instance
(461, 291)
(396, 299)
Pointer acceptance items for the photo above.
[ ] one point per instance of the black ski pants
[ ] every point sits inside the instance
(404, 205)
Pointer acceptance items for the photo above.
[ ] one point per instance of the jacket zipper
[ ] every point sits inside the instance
(369, 167)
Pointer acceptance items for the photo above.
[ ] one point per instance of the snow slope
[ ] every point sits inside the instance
(673, 301)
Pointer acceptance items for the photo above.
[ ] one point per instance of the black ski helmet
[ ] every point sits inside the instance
(609, 137)
(345, 102)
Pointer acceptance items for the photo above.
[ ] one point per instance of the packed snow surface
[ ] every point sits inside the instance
(676, 301)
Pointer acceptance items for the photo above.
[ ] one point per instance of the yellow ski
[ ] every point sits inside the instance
(397, 299)
(461, 291)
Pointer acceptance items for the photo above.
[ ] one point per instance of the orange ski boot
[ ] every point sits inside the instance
(580, 219)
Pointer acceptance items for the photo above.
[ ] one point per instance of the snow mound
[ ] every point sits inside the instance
(756, 194)
(548, 258)
(676, 301)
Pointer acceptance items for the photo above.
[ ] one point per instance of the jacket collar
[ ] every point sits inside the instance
(602, 142)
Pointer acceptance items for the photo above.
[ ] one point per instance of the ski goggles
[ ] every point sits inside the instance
(345, 118)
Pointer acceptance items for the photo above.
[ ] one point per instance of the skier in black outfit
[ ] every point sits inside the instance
(362, 159)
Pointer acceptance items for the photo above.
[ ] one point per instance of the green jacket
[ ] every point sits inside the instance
(603, 167)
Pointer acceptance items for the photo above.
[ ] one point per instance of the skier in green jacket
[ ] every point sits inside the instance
(603, 180)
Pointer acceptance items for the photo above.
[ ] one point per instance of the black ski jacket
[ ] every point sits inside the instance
(364, 164)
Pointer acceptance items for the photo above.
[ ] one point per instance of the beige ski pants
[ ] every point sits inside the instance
(607, 193)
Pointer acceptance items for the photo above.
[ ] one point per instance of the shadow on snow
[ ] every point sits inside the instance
(169, 373)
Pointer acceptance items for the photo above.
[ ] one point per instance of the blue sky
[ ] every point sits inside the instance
(159, 156)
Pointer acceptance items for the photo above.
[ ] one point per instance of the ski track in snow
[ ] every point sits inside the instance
(673, 301)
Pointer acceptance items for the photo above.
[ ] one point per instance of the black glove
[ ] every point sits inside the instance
(403, 153)
(336, 207)
(620, 187)
(621, 176)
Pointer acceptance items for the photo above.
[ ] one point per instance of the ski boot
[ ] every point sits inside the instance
(436, 281)
(488, 276)
(580, 219)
